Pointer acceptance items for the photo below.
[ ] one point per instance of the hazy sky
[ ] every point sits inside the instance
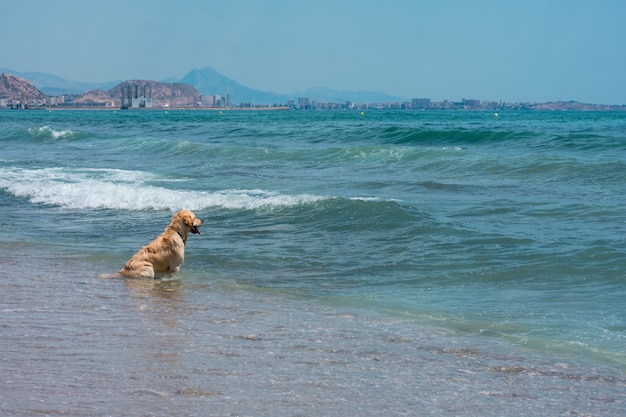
(530, 50)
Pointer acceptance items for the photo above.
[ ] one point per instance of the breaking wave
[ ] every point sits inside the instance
(46, 133)
(129, 190)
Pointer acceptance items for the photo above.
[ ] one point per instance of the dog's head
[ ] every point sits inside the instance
(185, 221)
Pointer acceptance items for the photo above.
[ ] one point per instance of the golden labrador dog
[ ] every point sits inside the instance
(166, 253)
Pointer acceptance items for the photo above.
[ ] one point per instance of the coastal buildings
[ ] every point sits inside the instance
(19, 93)
(136, 96)
(420, 103)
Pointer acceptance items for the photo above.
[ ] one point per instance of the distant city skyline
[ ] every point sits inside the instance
(445, 50)
(17, 91)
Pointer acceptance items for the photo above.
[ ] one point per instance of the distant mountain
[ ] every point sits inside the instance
(210, 82)
(207, 81)
(53, 85)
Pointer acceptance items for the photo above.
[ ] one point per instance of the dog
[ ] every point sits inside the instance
(166, 253)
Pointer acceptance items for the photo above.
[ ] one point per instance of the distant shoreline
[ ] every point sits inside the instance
(610, 109)
(16, 91)
(165, 109)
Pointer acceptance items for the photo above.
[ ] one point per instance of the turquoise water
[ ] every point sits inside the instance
(391, 263)
(509, 227)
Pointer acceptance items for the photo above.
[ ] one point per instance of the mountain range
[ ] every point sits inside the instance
(208, 81)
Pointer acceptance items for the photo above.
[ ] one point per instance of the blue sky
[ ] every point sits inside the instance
(532, 50)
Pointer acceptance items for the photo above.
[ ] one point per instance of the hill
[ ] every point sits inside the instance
(15, 90)
(97, 98)
(163, 94)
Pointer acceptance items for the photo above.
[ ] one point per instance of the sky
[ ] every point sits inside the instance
(514, 51)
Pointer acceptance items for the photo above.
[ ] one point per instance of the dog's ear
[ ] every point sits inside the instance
(188, 219)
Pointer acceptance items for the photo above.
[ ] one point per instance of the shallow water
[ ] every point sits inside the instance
(74, 344)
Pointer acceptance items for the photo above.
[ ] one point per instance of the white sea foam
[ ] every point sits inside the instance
(47, 130)
(127, 190)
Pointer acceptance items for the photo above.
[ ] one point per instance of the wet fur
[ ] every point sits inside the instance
(166, 253)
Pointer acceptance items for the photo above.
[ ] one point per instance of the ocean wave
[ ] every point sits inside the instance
(424, 134)
(220, 153)
(165, 147)
(127, 190)
(47, 133)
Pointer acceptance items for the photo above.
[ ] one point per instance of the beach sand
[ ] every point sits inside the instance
(76, 345)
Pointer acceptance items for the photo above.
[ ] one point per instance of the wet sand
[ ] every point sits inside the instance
(76, 345)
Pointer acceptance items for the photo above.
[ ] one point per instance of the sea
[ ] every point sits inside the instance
(351, 263)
